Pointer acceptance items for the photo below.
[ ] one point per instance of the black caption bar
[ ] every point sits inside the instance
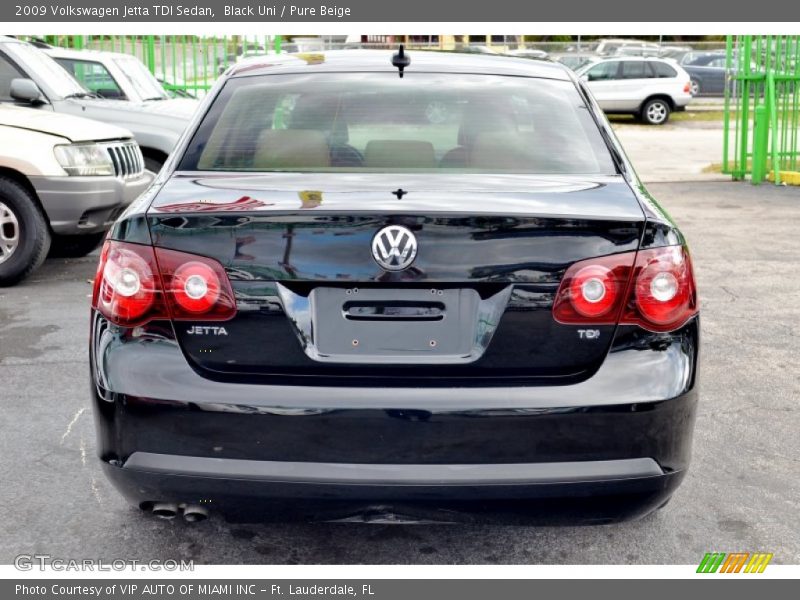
(419, 11)
(380, 589)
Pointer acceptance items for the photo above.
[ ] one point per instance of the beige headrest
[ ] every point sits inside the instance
(291, 149)
(399, 154)
(499, 151)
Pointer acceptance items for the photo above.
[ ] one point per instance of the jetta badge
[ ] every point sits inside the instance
(394, 248)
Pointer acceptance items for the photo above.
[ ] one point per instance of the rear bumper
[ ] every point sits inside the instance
(614, 446)
(551, 493)
(77, 205)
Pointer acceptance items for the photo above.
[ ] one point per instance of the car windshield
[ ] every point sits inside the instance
(143, 82)
(378, 122)
(60, 82)
(93, 75)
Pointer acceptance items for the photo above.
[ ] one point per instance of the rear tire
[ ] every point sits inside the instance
(24, 235)
(75, 246)
(655, 111)
(694, 87)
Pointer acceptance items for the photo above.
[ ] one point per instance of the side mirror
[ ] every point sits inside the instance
(25, 90)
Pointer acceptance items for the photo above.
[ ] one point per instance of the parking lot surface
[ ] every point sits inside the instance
(676, 152)
(741, 494)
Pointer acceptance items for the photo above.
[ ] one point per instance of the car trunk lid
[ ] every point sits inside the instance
(475, 304)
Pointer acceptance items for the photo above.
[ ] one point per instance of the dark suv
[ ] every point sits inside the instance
(355, 295)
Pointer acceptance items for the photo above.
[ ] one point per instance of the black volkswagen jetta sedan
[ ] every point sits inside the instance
(368, 289)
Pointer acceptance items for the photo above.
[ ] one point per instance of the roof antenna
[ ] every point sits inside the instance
(400, 60)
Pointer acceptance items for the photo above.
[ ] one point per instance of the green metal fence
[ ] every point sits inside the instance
(185, 64)
(762, 108)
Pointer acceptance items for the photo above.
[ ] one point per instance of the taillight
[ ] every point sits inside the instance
(664, 294)
(687, 88)
(592, 291)
(196, 287)
(135, 284)
(127, 290)
(654, 289)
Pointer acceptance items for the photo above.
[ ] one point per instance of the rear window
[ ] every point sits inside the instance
(377, 122)
(635, 69)
(663, 70)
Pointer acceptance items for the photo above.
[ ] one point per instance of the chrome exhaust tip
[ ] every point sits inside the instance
(165, 510)
(195, 514)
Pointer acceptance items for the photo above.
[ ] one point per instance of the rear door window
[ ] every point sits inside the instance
(635, 69)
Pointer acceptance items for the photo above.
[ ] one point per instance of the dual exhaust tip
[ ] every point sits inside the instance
(192, 513)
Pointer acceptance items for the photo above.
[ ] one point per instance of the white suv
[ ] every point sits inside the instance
(649, 88)
(63, 181)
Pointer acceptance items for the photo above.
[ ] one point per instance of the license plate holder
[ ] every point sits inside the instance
(375, 325)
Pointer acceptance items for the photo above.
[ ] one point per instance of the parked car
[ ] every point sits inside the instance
(707, 72)
(63, 181)
(477, 49)
(29, 77)
(528, 53)
(674, 51)
(575, 60)
(341, 316)
(111, 75)
(649, 88)
(660, 50)
(582, 47)
(700, 57)
(612, 46)
(638, 50)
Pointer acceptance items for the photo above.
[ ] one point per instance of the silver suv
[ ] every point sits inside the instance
(649, 88)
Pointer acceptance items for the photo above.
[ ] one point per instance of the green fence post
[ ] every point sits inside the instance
(150, 53)
(760, 144)
(726, 116)
(162, 46)
(745, 70)
(278, 42)
(770, 94)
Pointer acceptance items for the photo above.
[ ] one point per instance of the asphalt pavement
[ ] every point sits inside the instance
(676, 152)
(742, 492)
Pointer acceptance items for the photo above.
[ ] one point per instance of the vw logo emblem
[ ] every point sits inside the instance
(394, 248)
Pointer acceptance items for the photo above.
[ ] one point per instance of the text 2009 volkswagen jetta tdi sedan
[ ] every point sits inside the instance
(353, 295)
